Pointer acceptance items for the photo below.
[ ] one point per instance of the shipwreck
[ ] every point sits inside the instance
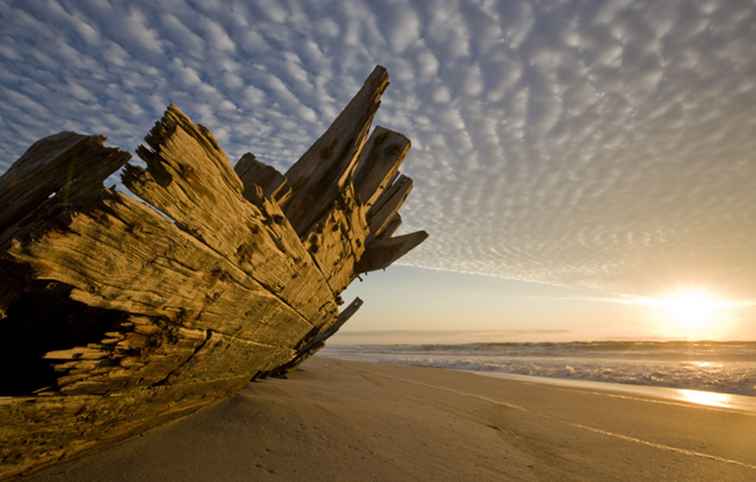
(123, 310)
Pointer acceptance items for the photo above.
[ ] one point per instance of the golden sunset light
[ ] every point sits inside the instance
(693, 313)
(391, 240)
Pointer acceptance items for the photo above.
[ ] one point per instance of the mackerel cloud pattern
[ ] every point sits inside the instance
(609, 144)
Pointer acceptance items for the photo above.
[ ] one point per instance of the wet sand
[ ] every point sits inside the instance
(350, 421)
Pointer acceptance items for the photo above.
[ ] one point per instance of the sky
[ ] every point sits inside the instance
(567, 152)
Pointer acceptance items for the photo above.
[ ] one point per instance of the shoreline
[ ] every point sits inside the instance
(344, 420)
(704, 399)
(680, 374)
(650, 393)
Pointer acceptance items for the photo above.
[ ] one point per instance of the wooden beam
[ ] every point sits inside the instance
(190, 179)
(378, 163)
(317, 340)
(344, 316)
(391, 226)
(338, 240)
(319, 175)
(330, 330)
(388, 204)
(65, 165)
(255, 173)
(381, 253)
(122, 255)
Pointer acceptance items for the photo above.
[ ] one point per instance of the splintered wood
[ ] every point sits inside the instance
(127, 310)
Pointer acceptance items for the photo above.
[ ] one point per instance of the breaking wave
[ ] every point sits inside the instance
(728, 367)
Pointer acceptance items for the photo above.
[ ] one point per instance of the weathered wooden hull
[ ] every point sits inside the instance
(124, 310)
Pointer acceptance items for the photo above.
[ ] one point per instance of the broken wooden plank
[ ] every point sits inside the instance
(190, 180)
(66, 159)
(122, 255)
(222, 356)
(317, 177)
(383, 252)
(317, 340)
(343, 317)
(255, 173)
(143, 352)
(64, 165)
(388, 204)
(391, 226)
(285, 237)
(379, 162)
(338, 240)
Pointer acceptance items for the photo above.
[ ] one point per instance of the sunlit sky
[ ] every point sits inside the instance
(573, 152)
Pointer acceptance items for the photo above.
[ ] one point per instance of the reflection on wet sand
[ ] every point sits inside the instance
(645, 393)
(710, 399)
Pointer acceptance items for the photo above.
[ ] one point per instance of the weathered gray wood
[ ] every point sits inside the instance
(383, 252)
(388, 204)
(318, 176)
(379, 163)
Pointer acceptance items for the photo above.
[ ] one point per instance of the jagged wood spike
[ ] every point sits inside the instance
(391, 226)
(379, 163)
(173, 346)
(255, 173)
(190, 179)
(381, 253)
(387, 205)
(65, 164)
(156, 353)
(318, 176)
(344, 316)
(327, 331)
(317, 341)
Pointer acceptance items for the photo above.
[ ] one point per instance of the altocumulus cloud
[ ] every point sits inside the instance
(607, 144)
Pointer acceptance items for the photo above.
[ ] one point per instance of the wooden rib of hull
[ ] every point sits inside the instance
(122, 311)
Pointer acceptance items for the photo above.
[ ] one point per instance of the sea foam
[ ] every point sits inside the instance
(728, 367)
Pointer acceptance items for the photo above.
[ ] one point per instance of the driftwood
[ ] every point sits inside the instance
(122, 311)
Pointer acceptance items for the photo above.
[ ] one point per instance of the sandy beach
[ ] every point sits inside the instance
(352, 421)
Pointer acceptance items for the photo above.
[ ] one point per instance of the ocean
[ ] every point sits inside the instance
(726, 367)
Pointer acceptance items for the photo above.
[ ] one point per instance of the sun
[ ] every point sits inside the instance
(692, 314)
